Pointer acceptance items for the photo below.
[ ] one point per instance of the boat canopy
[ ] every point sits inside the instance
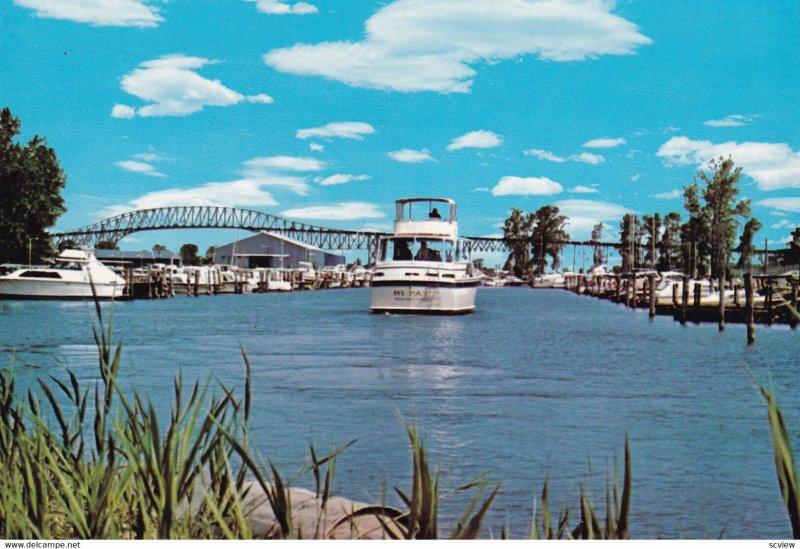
(426, 216)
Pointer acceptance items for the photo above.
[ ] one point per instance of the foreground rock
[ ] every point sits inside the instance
(309, 520)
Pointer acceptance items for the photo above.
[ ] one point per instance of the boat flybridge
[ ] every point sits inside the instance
(70, 277)
(424, 267)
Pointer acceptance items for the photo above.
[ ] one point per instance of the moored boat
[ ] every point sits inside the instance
(71, 277)
(423, 267)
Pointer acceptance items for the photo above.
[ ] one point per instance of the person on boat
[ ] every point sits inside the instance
(434, 214)
(427, 254)
(401, 251)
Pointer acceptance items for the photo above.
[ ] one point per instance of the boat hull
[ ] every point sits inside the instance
(403, 297)
(56, 289)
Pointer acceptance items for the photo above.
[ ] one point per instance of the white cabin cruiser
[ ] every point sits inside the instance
(423, 267)
(70, 277)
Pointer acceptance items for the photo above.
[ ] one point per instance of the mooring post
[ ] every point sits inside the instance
(721, 302)
(698, 290)
(748, 308)
(651, 292)
(618, 293)
(769, 290)
(685, 299)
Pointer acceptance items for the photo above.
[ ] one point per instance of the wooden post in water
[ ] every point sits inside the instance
(630, 290)
(721, 302)
(651, 293)
(618, 282)
(793, 314)
(698, 290)
(197, 283)
(748, 308)
(769, 289)
(685, 299)
(735, 295)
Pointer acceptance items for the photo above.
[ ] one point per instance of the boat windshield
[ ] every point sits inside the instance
(67, 265)
(421, 249)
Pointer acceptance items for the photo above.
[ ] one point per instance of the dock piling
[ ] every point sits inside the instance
(748, 308)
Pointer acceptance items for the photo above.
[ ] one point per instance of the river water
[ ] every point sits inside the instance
(534, 385)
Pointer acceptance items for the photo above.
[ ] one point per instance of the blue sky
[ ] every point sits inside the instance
(327, 111)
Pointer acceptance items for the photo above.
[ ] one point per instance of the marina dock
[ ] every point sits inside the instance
(755, 299)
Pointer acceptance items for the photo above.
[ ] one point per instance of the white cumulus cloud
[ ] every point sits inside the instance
(243, 192)
(251, 189)
(143, 168)
(585, 214)
(669, 195)
(512, 184)
(285, 163)
(789, 204)
(783, 224)
(101, 13)
(544, 155)
(345, 130)
(583, 189)
(772, 166)
(583, 158)
(432, 45)
(480, 139)
(123, 111)
(588, 158)
(342, 211)
(604, 143)
(172, 87)
(339, 179)
(730, 121)
(411, 156)
(277, 7)
(316, 147)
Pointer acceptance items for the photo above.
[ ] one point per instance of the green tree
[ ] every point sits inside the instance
(107, 245)
(597, 255)
(630, 240)
(517, 232)
(669, 246)
(652, 228)
(209, 257)
(67, 244)
(791, 255)
(723, 211)
(746, 248)
(189, 254)
(158, 248)
(694, 233)
(31, 181)
(548, 237)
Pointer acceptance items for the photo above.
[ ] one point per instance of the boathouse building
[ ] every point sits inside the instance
(273, 250)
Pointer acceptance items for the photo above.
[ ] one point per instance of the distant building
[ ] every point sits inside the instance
(138, 259)
(272, 250)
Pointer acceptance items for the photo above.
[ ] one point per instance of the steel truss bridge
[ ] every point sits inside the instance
(115, 228)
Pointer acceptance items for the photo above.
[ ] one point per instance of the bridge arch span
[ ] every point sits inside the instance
(117, 227)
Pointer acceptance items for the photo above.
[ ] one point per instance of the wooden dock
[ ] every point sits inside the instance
(757, 299)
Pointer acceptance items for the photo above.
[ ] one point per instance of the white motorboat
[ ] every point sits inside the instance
(423, 267)
(70, 277)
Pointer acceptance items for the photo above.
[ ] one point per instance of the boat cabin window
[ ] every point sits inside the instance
(39, 274)
(420, 249)
(67, 265)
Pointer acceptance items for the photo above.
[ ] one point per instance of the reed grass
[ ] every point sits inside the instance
(591, 525)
